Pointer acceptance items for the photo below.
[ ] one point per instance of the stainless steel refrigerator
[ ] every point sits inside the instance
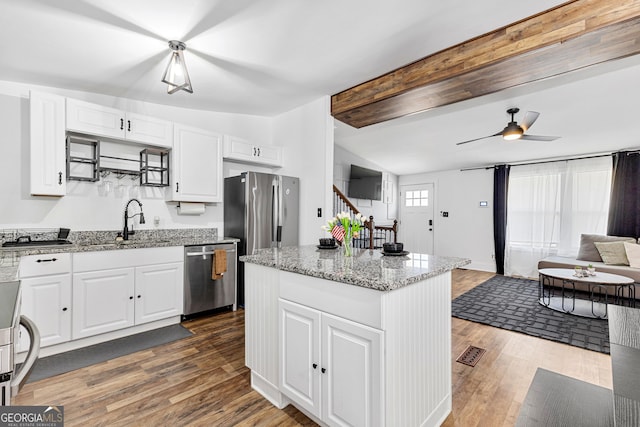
(262, 211)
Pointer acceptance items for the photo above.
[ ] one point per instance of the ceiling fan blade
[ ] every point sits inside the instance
(478, 139)
(539, 138)
(529, 118)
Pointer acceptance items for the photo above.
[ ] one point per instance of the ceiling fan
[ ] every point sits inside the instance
(514, 131)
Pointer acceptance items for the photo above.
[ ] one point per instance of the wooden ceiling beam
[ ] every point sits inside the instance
(569, 37)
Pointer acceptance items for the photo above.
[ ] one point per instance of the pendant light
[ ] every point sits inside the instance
(176, 75)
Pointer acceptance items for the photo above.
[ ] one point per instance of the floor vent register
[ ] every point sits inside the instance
(471, 355)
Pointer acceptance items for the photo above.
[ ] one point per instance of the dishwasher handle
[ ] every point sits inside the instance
(229, 251)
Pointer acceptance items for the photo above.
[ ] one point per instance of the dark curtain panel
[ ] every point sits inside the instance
(500, 186)
(624, 215)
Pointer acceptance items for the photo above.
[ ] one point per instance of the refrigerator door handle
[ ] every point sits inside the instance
(280, 213)
(274, 212)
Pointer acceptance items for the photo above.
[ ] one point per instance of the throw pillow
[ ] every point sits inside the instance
(589, 252)
(633, 254)
(612, 253)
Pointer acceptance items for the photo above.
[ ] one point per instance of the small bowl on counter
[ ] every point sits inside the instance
(393, 247)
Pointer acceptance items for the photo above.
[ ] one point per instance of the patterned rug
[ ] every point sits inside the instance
(511, 303)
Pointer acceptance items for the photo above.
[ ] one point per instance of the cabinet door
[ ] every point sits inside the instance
(351, 383)
(102, 301)
(95, 119)
(245, 152)
(159, 292)
(300, 355)
(196, 166)
(47, 145)
(149, 130)
(47, 301)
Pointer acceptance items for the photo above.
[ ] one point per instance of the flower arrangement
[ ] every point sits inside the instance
(344, 228)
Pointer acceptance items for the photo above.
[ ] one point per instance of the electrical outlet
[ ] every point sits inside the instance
(445, 214)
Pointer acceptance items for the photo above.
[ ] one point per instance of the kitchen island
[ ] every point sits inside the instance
(362, 340)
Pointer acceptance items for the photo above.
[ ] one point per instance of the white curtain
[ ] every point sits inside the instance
(549, 205)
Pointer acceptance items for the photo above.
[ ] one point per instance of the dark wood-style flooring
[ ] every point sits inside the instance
(202, 380)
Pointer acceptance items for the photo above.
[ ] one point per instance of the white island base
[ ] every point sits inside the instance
(349, 355)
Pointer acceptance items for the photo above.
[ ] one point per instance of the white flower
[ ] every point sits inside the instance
(359, 216)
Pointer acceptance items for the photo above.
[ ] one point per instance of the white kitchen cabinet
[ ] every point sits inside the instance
(47, 144)
(196, 166)
(46, 297)
(240, 150)
(331, 366)
(94, 119)
(122, 288)
(103, 301)
(159, 292)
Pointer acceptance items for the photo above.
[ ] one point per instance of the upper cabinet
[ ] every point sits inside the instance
(240, 150)
(196, 166)
(94, 119)
(47, 133)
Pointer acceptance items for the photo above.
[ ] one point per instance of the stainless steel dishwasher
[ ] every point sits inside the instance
(201, 292)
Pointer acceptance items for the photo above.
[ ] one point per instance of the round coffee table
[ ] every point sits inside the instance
(597, 288)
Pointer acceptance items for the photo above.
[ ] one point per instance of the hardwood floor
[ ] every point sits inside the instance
(202, 380)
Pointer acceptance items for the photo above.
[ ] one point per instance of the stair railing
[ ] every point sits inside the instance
(375, 235)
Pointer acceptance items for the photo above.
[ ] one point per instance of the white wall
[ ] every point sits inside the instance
(383, 213)
(83, 208)
(468, 230)
(306, 133)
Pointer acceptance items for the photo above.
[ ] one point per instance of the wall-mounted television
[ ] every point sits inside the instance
(365, 183)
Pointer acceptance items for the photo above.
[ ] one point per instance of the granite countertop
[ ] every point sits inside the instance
(92, 241)
(113, 245)
(366, 268)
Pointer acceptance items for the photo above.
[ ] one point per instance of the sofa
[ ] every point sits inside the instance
(589, 254)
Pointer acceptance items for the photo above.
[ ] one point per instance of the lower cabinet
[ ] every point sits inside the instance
(330, 366)
(102, 301)
(47, 301)
(108, 300)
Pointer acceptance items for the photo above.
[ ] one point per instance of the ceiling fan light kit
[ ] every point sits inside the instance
(514, 131)
(176, 75)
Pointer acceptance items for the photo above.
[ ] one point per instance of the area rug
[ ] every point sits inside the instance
(511, 303)
(71, 360)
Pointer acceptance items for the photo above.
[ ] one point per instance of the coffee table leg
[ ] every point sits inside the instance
(592, 287)
(573, 295)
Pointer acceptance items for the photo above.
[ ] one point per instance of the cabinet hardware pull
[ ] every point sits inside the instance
(59, 178)
(315, 365)
(130, 297)
(129, 125)
(64, 308)
(258, 151)
(139, 296)
(177, 186)
(47, 260)
(121, 124)
(323, 370)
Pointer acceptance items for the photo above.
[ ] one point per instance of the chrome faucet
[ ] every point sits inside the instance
(126, 233)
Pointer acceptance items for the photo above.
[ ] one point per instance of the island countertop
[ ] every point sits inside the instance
(366, 268)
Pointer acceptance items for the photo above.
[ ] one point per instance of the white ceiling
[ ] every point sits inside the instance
(265, 57)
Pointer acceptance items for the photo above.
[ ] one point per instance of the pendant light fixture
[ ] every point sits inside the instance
(176, 75)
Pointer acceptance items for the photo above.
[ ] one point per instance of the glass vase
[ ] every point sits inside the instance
(347, 245)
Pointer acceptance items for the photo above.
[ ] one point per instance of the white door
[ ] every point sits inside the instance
(102, 301)
(300, 355)
(159, 292)
(197, 166)
(47, 139)
(95, 119)
(149, 130)
(47, 301)
(351, 373)
(416, 218)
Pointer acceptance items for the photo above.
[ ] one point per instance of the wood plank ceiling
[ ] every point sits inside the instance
(574, 35)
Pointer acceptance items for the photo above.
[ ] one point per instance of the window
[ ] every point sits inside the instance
(549, 205)
(417, 198)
